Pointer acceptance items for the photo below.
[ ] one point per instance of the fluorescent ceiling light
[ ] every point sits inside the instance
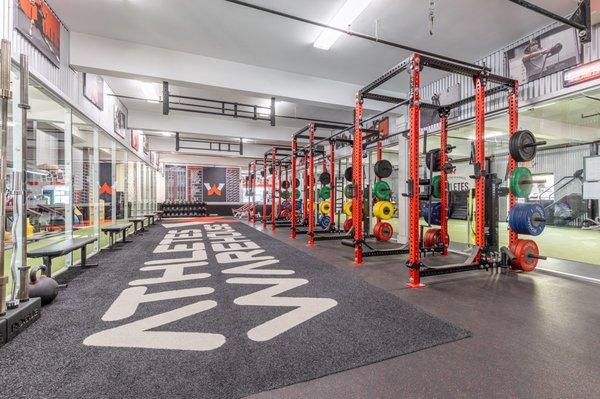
(344, 17)
(149, 91)
(167, 134)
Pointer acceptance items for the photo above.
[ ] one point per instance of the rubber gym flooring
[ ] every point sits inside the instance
(533, 336)
(212, 310)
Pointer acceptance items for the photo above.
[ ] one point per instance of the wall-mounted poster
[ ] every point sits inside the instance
(202, 183)
(93, 89)
(550, 52)
(37, 23)
(146, 146)
(120, 118)
(135, 140)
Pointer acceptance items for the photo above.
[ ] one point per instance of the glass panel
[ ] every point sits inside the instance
(48, 195)
(83, 172)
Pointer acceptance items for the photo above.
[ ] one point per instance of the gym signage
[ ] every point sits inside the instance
(243, 262)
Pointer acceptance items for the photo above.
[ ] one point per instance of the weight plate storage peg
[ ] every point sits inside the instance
(436, 186)
(522, 146)
(382, 190)
(383, 231)
(526, 255)
(325, 207)
(383, 168)
(347, 208)
(325, 192)
(348, 225)
(325, 178)
(521, 182)
(527, 219)
(383, 210)
(348, 173)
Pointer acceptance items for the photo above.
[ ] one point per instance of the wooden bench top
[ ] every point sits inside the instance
(116, 227)
(61, 248)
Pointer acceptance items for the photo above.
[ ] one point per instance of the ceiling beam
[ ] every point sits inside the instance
(119, 58)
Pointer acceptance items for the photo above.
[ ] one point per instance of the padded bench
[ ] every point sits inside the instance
(150, 217)
(62, 248)
(138, 221)
(114, 230)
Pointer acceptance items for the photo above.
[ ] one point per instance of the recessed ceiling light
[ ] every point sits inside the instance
(344, 17)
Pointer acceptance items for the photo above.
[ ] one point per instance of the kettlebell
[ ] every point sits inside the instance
(45, 288)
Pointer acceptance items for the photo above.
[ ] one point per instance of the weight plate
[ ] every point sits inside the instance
(325, 178)
(324, 222)
(518, 146)
(348, 173)
(347, 208)
(298, 193)
(436, 186)
(383, 231)
(383, 168)
(325, 192)
(348, 225)
(383, 210)
(285, 184)
(521, 182)
(382, 190)
(325, 207)
(527, 219)
(348, 190)
(431, 213)
(523, 249)
(285, 194)
(432, 160)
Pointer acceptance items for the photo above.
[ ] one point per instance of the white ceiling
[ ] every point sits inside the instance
(465, 29)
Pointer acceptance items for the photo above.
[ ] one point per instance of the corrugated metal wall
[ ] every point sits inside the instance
(551, 84)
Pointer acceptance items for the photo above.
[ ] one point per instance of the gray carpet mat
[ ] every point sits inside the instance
(220, 326)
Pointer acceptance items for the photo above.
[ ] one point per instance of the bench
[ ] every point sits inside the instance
(62, 248)
(150, 217)
(138, 221)
(114, 230)
(159, 215)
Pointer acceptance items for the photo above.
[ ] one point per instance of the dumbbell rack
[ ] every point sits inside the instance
(180, 209)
